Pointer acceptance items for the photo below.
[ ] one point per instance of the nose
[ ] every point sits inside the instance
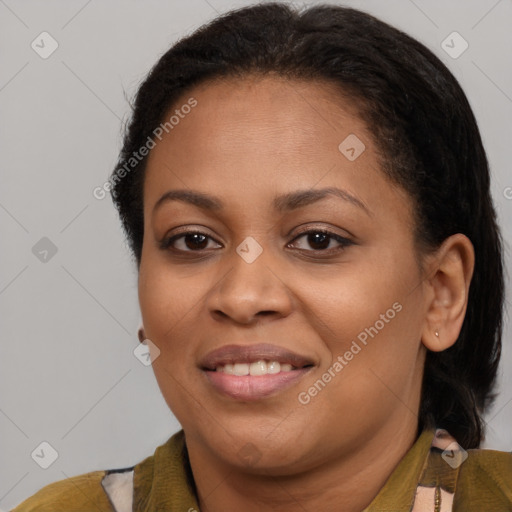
(250, 291)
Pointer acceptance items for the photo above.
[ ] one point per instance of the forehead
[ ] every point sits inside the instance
(260, 118)
(249, 140)
(300, 108)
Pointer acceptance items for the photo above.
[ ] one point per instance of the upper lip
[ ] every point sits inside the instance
(230, 354)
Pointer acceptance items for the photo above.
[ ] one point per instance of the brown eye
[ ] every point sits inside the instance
(320, 240)
(192, 241)
(195, 241)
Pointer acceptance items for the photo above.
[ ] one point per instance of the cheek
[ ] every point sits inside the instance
(350, 303)
(167, 304)
(372, 319)
(372, 372)
(165, 301)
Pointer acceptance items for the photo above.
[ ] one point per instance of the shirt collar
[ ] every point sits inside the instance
(399, 491)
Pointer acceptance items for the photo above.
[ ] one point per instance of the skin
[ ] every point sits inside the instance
(246, 142)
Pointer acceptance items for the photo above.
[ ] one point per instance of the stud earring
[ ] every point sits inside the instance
(436, 333)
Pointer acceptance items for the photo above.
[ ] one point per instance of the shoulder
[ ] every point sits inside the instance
(109, 490)
(464, 481)
(485, 477)
(74, 494)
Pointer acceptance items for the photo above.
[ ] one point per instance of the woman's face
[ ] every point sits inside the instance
(261, 282)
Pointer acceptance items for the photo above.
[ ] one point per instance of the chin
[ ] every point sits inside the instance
(255, 449)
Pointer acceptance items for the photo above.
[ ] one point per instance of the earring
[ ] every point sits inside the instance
(436, 333)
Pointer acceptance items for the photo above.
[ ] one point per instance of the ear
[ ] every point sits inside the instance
(448, 288)
(141, 334)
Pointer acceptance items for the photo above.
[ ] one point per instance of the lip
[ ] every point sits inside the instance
(253, 387)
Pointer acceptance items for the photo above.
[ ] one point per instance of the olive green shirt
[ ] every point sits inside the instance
(428, 478)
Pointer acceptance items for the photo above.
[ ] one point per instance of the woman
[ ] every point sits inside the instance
(306, 196)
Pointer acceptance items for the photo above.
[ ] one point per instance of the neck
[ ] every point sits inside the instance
(353, 480)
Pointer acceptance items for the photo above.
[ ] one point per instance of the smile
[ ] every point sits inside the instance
(254, 372)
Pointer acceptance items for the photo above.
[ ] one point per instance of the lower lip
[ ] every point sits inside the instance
(255, 387)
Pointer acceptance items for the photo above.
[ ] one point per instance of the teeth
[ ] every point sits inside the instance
(256, 368)
(241, 369)
(273, 367)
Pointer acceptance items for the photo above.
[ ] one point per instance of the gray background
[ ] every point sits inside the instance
(68, 374)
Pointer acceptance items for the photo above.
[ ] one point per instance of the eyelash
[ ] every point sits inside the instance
(344, 242)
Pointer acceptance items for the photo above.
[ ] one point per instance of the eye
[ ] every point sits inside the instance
(192, 241)
(320, 240)
(195, 241)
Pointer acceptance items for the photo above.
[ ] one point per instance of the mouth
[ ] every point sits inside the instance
(253, 372)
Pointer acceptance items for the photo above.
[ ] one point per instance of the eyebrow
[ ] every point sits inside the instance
(284, 203)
